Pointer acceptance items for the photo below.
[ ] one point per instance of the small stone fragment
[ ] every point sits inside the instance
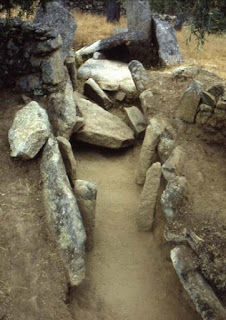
(26, 99)
(68, 158)
(146, 210)
(79, 124)
(148, 150)
(139, 75)
(136, 120)
(93, 91)
(29, 132)
(188, 105)
(86, 193)
(221, 104)
(120, 96)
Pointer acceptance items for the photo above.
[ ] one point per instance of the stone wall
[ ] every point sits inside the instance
(95, 6)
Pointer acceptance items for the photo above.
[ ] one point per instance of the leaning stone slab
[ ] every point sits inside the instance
(86, 193)
(146, 210)
(168, 49)
(139, 75)
(148, 150)
(56, 17)
(188, 105)
(29, 131)
(62, 212)
(68, 158)
(110, 75)
(146, 98)
(93, 91)
(206, 302)
(136, 120)
(62, 111)
(102, 128)
(165, 146)
(174, 164)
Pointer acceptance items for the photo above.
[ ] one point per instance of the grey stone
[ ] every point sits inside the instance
(136, 120)
(47, 46)
(79, 124)
(86, 193)
(206, 302)
(203, 116)
(208, 99)
(189, 102)
(165, 146)
(29, 131)
(146, 210)
(31, 83)
(174, 197)
(148, 150)
(139, 75)
(93, 91)
(138, 15)
(62, 212)
(68, 158)
(98, 56)
(168, 49)
(174, 164)
(205, 108)
(102, 128)
(221, 104)
(26, 99)
(110, 75)
(120, 96)
(216, 91)
(53, 69)
(72, 70)
(55, 16)
(62, 111)
(146, 98)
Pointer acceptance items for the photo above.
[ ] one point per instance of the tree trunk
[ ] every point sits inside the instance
(113, 11)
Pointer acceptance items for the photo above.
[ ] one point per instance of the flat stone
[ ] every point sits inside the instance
(93, 91)
(62, 212)
(110, 75)
(136, 119)
(148, 150)
(62, 111)
(68, 158)
(86, 193)
(206, 302)
(55, 16)
(29, 131)
(146, 210)
(168, 48)
(139, 75)
(102, 128)
(188, 105)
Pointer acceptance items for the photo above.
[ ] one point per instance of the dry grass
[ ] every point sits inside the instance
(212, 57)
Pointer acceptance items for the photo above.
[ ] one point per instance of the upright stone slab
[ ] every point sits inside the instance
(55, 16)
(139, 16)
(146, 210)
(168, 49)
(62, 212)
(136, 120)
(86, 193)
(139, 75)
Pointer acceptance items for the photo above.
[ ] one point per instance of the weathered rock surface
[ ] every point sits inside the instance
(102, 128)
(62, 112)
(53, 70)
(216, 91)
(62, 212)
(165, 146)
(93, 91)
(72, 70)
(174, 164)
(68, 158)
(208, 99)
(206, 302)
(146, 210)
(29, 131)
(168, 49)
(136, 120)
(110, 75)
(188, 105)
(174, 197)
(54, 15)
(146, 99)
(86, 193)
(148, 150)
(139, 75)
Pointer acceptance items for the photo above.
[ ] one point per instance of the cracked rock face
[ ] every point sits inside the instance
(29, 131)
(62, 212)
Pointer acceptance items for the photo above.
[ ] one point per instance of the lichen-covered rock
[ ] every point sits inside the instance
(206, 302)
(146, 210)
(102, 128)
(62, 111)
(136, 120)
(139, 75)
(62, 212)
(188, 105)
(29, 131)
(165, 145)
(86, 193)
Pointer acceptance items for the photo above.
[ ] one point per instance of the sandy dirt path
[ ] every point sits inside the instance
(129, 274)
